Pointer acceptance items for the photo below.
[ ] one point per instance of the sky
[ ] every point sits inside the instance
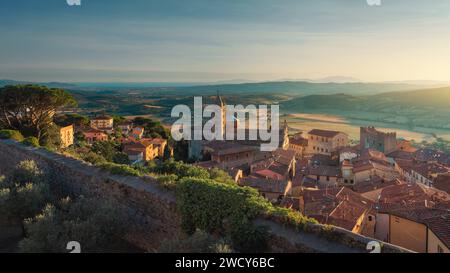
(219, 40)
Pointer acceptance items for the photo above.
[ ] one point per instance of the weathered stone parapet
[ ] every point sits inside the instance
(154, 211)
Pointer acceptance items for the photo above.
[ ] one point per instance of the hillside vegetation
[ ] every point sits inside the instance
(425, 108)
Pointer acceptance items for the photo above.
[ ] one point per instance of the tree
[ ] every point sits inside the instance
(69, 119)
(153, 128)
(30, 108)
(117, 119)
(52, 138)
(121, 158)
(107, 149)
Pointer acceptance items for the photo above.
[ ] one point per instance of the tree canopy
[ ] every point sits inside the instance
(30, 108)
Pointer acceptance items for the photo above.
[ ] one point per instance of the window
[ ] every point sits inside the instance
(328, 178)
(370, 218)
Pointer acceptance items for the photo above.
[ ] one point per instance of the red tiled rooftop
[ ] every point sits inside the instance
(323, 170)
(298, 141)
(443, 182)
(323, 133)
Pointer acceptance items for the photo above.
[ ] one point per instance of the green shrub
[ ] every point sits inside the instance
(182, 169)
(11, 134)
(221, 176)
(119, 169)
(31, 141)
(224, 208)
(168, 181)
(292, 218)
(93, 158)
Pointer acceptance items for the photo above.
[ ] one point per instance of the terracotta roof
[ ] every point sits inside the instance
(338, 206)
(267, 173)
(150, 141)
(405, 165)
(324, 160)
(399, 154)
(324, 133)
(227, 147)
(279, 161)
(90, 130)
(407, 195)
(428, 155)
(375, 183)
(134, 145)
(138, 129)
(324, 170)
(426, 169)
(442, 182)
(440, 225)
(374, 160)
(298, 141)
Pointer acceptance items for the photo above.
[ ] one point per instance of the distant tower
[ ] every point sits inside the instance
(285, 136)
(380, 141)
(223, 109)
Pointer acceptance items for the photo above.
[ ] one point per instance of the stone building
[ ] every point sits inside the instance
(380, 141)
(325, 142)
(103, 123)
(66, 136)
(298, 144)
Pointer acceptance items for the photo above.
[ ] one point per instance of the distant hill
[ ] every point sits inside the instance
(331, 79)
(425, 108)
(289, 88)
(297, 88)
(334, 101)
(436, 97)
(48, 84)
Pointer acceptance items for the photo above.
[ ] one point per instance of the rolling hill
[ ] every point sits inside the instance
(424, 108)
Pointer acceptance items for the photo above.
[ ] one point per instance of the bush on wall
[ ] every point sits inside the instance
(11, 134)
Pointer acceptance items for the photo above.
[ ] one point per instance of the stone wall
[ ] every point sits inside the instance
(153, 210)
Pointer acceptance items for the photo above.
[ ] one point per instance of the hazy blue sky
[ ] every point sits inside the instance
(208, 40)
